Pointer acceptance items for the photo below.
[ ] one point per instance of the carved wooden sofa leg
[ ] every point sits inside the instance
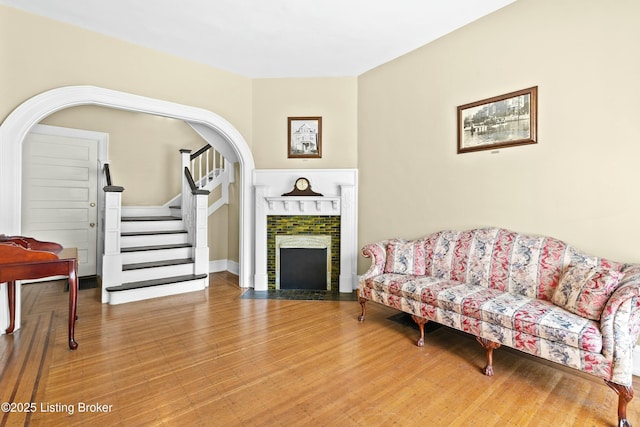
(421, 321)
(362, 302)
(489, 346)
(625, 394)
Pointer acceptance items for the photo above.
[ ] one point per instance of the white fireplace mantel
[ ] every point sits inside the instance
(312, 204)
(339, 197)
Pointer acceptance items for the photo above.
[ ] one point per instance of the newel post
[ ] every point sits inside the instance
(200, 233)
(195, 213)
(112, 258)
(185, 155)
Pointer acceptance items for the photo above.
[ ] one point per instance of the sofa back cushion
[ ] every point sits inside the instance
(522, 264)
(584, 289)
(405, 257)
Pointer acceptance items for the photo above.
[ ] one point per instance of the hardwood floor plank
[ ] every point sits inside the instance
(213, 358)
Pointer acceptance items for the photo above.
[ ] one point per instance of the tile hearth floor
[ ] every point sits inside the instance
(300, 294)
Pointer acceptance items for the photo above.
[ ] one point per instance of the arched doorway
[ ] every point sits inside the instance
(18, 124)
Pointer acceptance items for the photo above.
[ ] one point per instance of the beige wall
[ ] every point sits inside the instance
(334, 99)
(39, 54)
(579, 183)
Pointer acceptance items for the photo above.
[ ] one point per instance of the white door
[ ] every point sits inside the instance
(59, 193)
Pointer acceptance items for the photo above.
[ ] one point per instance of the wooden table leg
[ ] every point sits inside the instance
(73, 303)
(11, 294)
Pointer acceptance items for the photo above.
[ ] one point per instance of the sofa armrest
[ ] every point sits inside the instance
(620, 326)
(378, 254)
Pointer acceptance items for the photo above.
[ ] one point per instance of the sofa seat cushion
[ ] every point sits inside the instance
(516, 312)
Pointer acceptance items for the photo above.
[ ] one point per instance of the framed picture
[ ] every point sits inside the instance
(502, 121)
(305, 137)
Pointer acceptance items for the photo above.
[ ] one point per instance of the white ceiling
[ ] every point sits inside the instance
(272, 38)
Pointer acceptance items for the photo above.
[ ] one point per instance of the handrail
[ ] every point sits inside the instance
(110, 187)
(187, 174)
(201, 151)
(107, 173)
(192, 184)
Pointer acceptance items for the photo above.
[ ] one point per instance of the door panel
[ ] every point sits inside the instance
(59, 193)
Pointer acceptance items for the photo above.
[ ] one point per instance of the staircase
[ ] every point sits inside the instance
(157, 260)
(163, 251)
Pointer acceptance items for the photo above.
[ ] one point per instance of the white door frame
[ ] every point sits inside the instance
(16, 126)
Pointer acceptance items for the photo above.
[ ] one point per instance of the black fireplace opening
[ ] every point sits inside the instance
(303, 268)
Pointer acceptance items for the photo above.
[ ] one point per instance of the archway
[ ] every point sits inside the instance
(16, 126)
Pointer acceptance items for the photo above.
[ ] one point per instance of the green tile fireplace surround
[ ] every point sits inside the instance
(292, 225)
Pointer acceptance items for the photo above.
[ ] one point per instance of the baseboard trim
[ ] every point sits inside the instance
(233, 267)
(216, 266)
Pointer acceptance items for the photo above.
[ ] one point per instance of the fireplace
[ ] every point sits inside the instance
(303, 231)
(332, 214)
(303, 262)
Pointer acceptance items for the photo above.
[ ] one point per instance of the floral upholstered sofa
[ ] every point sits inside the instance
(532, 293)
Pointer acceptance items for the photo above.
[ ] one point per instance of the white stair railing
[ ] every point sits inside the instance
(209, 170)
(205, 165)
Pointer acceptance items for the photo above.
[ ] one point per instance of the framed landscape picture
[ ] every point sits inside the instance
(305, 137)
(502, 121)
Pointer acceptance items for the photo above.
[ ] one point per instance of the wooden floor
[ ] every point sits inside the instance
(212, 358)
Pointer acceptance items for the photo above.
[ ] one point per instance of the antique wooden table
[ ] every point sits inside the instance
(18, 262)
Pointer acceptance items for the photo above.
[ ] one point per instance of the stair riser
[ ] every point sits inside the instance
(155, 255)
(122, 297)
(156, 272)
(153, 240)
(139, 226)
(144, 211)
